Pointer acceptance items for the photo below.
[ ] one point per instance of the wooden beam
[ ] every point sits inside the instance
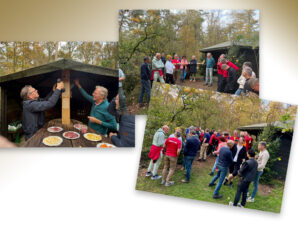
(66, 97)
(3, 112)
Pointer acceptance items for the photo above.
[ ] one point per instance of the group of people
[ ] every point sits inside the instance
(166, 69)
(234, 157)
(103, 117)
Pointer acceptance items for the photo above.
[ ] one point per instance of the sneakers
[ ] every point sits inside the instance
(251, 200)
(218, 196)
(149, 174)
(211, 174)
(226, 181)
(163, 182)
(211, 185)
(238, 205)
(156, 177)
(170, 183)
(185, 181)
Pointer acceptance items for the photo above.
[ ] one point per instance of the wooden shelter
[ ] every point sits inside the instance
(251, 53)
(285, 140)
(72, 104)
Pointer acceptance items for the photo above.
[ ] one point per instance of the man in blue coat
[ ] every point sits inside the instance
(224, 161)
(34, 108)
(191, 149)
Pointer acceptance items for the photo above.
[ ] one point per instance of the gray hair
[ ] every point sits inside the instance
(224, 66)
(253, 82)
(248, 70)
(103, 91)
(25, 92)
(263, 143)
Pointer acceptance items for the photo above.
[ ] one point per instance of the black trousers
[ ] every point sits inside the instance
(170, 78)
(242, 189)
(222, 85)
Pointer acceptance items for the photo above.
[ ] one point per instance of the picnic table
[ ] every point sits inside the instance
(36, 139)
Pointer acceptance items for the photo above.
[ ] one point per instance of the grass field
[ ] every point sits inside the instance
(269, 198)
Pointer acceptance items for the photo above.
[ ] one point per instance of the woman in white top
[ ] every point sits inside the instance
(169, 66)
(241, 80)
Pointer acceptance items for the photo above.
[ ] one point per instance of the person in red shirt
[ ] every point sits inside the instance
(235, 136)
(173, 148)
(176, 63)
(213, 140)
(248, 141)
(202, 135)
(224, 73)
(219, 73)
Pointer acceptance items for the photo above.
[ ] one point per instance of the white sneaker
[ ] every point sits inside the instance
(231, 203)
(156, 177)
(148, 174)
(163, 182)
(251, 200)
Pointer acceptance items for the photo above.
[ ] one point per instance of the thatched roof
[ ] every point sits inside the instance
(61, 64)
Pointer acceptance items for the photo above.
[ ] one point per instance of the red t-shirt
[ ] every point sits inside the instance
(172, 144)
(175, 61)
(248, 142)
(201, 137)
(234, 138)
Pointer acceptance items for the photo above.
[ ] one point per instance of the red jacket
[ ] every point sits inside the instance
(225, 72)
(213, 139)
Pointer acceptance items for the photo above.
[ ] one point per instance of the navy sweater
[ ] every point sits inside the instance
(225, 157)
(192, 146)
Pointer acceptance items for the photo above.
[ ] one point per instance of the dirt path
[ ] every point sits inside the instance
(200, 84)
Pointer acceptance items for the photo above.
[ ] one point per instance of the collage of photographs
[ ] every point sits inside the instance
(194, 73)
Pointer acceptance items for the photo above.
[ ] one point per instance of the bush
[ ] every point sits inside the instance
(273, 145)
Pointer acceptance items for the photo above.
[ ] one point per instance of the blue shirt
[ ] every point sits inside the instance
(192, 146)
(121, 74)
(225, 158)
(207, 136)
(210, 63)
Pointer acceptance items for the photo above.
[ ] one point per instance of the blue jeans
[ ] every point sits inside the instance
(215, 164)
(145, 87)
(182, 74)
(221, 174)
(188, 163)
(209, 75)
(239, 91)
(256, 184)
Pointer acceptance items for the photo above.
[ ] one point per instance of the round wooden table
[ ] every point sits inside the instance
(36, 139)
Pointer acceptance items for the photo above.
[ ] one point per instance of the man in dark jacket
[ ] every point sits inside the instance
(191, 149)
(247, 173)
(145, 80)
(126, 133)
(239, 154)
(232, 84)
(224, 161)
(34, 108)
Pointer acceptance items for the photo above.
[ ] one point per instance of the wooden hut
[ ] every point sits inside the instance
(251, 53)
(43, 78)
(285, 140)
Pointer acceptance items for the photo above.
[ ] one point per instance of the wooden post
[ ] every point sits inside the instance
(66, 97)
(3, 112)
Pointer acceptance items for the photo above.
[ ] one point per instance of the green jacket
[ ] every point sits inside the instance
(101, 113)
(159, 138)
(157, 64)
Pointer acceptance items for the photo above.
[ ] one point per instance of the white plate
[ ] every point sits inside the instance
(109, 145)
(53, 131)
(94, 134)
(61, 140)
(70, 137)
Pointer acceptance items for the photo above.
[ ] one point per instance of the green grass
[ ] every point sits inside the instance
(198, 189)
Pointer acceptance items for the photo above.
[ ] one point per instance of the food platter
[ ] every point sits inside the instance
(92, 137)
(52, 141)
(54, 129)
(71, 135)
(105, 145)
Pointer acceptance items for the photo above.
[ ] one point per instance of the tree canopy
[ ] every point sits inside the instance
(17, 56)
